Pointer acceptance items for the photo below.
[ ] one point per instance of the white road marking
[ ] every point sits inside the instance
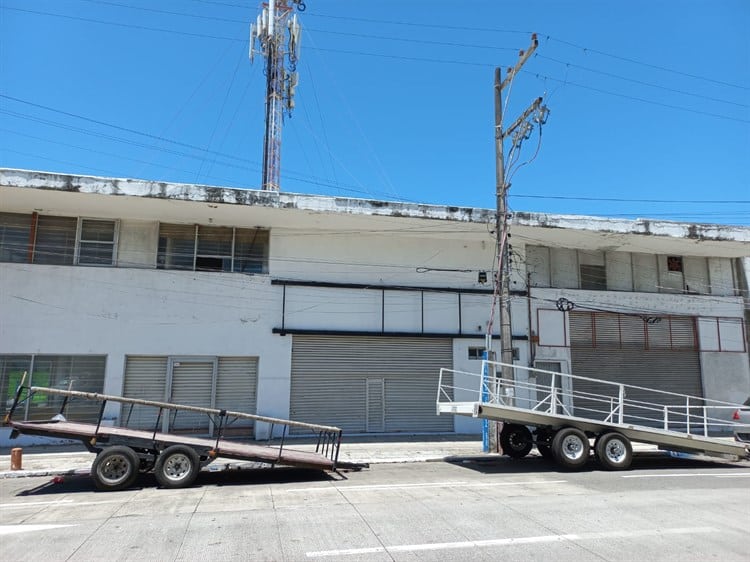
(15, 529)
(65, 503)
(56, 502)
(511, 541)
(682, 475)
(424, 485)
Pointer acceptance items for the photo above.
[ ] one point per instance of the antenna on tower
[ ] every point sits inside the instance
(275, 35)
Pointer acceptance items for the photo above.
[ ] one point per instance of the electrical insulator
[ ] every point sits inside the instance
(541, 115)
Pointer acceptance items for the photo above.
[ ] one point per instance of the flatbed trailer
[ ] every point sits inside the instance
(559, 414)
(174, 458)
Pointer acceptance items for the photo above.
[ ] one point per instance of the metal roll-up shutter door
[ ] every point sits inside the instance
(657, 357)
(145, 379)
(348, 381)
(236, 388)
(192, 385)
(411, 389)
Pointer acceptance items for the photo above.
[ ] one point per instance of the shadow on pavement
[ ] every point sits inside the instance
(658, 460)
(81, 482)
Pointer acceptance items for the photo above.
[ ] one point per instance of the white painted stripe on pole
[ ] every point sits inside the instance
(512, 541)
(15, 529)
(688, 474)
(424, 485)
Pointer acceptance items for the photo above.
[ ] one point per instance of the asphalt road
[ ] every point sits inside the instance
(663, 509)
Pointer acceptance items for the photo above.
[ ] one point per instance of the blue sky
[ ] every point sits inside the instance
(649, 99)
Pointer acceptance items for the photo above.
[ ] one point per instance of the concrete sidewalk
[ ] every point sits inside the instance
(42, 460)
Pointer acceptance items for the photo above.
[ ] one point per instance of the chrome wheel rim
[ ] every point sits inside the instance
(615, 451)
(114, 469)
(572, 447)
(177, 467)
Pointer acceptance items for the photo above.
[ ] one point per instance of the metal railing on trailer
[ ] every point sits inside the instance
(550, 401)
(150, 445)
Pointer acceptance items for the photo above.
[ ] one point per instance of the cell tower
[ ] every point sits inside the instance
(276, 36)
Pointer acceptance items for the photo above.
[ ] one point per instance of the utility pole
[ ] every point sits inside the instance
(274, 24)
(520, 129)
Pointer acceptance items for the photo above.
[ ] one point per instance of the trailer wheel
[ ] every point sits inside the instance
(544, 443)
(515, 440)
(571, 448)
(614, 451)
(177, 467)
(545, 451)
(115, 468)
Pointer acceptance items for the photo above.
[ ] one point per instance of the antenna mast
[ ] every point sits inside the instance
(276, 36)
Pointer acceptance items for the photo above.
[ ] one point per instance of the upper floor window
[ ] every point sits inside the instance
(212, 248)
(53, 240)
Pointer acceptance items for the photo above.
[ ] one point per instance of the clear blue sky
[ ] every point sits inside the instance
(649, 99)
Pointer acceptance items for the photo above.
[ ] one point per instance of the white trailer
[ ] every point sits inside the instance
(561, 414)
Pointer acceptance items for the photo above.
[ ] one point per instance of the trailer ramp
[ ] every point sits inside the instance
(174, 457)
(550, 401)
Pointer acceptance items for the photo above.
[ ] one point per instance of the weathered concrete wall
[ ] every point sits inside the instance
(119, 312)
(619, 271)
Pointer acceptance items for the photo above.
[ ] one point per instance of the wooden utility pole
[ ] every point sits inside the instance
(502, 279)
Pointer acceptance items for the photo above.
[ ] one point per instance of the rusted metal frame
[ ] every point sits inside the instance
(281, 445)
(98, 422)
(222, 425)
(156, 425)
(172, 406)
(17, 397)
(338, 448)
(130, 412)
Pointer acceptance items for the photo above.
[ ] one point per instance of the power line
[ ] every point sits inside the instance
(641, 82)
(415, 59)
(649, 65)
(548, 37)
(126, 25)
(428, 42)
(625, 200)
(540, 76)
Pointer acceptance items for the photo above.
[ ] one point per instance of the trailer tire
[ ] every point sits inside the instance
(545, 451)
(614, 451)
(544, 443)
(516, 440)
(115, 468)
(571, 448)
(177, 467)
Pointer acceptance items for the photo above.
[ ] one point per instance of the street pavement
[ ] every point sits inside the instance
(473, 508)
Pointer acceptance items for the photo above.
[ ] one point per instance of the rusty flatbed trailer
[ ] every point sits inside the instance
(175, 458)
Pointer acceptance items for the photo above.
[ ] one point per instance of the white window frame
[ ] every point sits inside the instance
(79, 240)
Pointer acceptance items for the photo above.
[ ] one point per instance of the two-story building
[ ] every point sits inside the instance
(342, 311)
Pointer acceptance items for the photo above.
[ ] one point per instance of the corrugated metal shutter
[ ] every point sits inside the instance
(375, 405)
(665, 365)
(329, 381)
(146, 379)
(192, 385)
(236, 388)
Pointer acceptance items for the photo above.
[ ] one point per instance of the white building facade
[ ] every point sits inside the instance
(342, 311)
